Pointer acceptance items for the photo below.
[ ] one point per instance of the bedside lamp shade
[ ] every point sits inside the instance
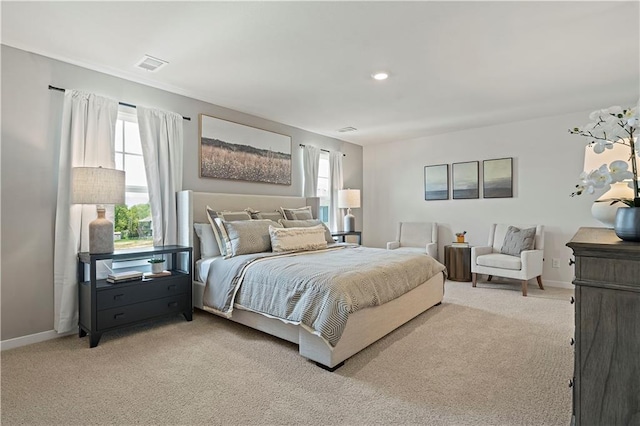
(349, 199)
(97, 185)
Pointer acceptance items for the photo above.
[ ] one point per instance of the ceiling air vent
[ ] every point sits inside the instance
(149, 63)
(347, 129)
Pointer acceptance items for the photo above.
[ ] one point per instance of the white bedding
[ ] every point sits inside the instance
(202, 268)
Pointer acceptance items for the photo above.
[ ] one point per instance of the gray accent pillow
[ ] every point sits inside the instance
(517, 240)
(208, 244)
(303, 213)
(307, 224)
(246, 236)
(274, 215)
(212, 215)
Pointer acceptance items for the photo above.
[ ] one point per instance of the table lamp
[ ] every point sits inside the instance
(349, 199)
(602, 209)
(97, 185)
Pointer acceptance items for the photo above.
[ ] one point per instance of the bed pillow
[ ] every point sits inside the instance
(224, 215)
(306, 224)
(208, 244)
(303, 213)
(246, 236)
(274, 215)
(517, 240)
(297, 239)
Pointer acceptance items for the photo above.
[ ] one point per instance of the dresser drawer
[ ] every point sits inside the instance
(141, 291)
(128, 314)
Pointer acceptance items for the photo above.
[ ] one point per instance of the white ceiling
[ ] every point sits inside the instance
(453, 65)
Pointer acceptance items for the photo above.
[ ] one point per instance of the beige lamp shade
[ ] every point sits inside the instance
(348, 198)
(97, 185)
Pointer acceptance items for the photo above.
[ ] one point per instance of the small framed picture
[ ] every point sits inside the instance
(436, 182)
(497, 179)
(466, 178)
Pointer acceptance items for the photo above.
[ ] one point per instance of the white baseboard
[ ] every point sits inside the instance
(31, 338)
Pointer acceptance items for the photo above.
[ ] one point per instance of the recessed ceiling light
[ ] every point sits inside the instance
(347, 129)
(380, 75)
(149, 63)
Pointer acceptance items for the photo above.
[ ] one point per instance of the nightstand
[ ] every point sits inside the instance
(457, 259)
(105, 306)
(342, 234)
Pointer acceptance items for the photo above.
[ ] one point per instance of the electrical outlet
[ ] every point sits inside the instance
(555, 263)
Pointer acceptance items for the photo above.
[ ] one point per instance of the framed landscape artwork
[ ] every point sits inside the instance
(498, 178)
(230, 150)
(436, 182)
(465, 178)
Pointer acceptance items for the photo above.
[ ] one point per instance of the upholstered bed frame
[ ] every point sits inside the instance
(363, 328)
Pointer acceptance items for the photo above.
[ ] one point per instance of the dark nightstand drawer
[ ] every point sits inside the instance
(129, 293)
(115, 317)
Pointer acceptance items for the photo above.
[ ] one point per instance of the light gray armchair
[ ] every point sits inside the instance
(489, 259)
(418, 237)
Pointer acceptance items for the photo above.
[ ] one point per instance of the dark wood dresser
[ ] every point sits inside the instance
(606, 382)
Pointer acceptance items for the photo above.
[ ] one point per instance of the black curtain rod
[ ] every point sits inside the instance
(324, 150)
(121, 103)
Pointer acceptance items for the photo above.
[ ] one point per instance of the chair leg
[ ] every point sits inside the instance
(474, 278)
(489, 277)
(524, 287)
(539, 278)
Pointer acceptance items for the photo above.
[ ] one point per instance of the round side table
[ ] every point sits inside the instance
(457, 259)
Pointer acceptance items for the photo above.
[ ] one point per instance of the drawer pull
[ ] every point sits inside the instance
(572, 341)
(571, 262)
(118, 297)
(573, 300)
(119, 316)
(171, 287)
(570, 383)
(172, 304)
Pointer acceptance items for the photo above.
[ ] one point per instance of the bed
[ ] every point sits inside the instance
(362, 328)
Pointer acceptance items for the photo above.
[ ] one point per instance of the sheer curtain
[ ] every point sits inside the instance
(335, 175)
(161, 136)
(87, 139)
(311, 164)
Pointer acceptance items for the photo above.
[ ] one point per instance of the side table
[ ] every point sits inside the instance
(342, 234)
(457, 259)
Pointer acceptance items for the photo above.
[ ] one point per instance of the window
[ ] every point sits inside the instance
(324, 187)
(132, 224)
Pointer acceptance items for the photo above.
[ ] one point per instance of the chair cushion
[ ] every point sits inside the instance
(415, 234)
(517, 240)
(502, 261)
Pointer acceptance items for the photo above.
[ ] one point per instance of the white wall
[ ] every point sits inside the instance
(30, 146)
(547, 161)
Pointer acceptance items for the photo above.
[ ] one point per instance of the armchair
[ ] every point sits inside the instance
(417, 237)
(489, 259)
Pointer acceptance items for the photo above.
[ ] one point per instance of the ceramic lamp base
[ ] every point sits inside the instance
(101, 234)
(603, 210)
(349, 223)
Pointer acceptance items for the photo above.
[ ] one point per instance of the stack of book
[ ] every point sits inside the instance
(456, 244)
(121, 277)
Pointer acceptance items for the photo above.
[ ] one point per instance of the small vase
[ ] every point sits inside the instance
(627, 224)
(460, 238)
(156, 268)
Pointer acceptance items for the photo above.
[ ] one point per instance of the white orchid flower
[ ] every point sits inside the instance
(618, 170)
(600, 146)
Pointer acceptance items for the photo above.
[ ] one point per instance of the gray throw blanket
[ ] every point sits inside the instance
(318, 289)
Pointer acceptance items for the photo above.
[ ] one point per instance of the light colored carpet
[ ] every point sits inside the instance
(486, 356)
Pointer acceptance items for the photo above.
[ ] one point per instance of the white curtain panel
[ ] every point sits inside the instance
(311, 164)
(161, 135)
(336, 180)
(86, 139)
